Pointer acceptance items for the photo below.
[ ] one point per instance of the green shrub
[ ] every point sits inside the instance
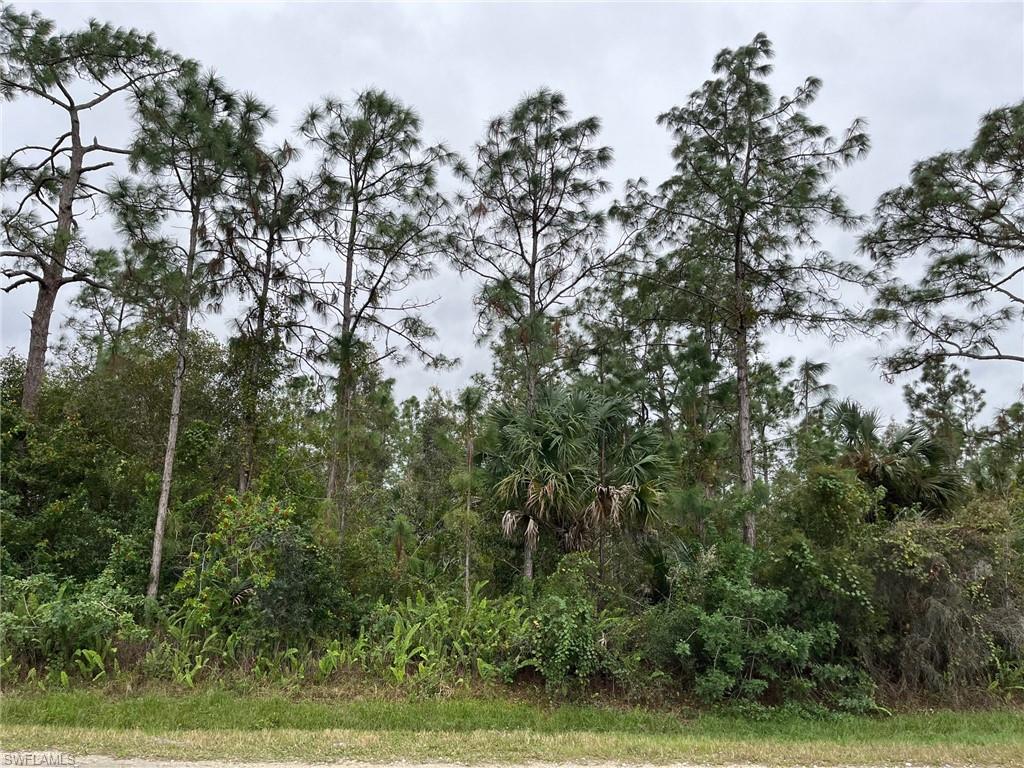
(738, 641)
(564, 627)
(261, 573)
(830, 506)
(952, 595)
(48, 620)
(818, 534)
(825, 586)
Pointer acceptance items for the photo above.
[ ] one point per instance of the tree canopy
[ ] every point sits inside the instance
(644, 495)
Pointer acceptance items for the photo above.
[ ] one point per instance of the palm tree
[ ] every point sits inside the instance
(626, 489)
(913, 466)
(576, 466)
(539, 464)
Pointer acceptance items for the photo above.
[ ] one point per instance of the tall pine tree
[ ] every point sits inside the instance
(752, 183)
(49, 186)
(383, 216)
(195, 139)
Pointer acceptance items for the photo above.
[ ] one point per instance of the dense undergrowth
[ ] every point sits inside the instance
(851, 601)
(817, 620)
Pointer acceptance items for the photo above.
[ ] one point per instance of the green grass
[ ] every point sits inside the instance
(222, 725)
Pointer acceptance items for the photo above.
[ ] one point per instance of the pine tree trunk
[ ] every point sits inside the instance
(163, 505)
(531, 386)
(35, 365)
(252, 387)
(38, 336)
(743, 427)
(532, 354)
(341, 477)
(245, 471)
(603, 482)
(469, 511)
(341, 470)
(168, 471)
(702, 523)
(115, 337)
(341, 461)
(532, 365)
(743, 391)
(465, 569)
(332, 474)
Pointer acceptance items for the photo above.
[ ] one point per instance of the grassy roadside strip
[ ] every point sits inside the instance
(217, 725)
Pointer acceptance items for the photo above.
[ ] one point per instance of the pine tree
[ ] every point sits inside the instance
(48, 187)
(962, 211)
(383, 216)
(946, 401)
(265, 228)
(772, 405)
(810, 389)
(195, 138)
(108, 309)
(529, 228)
(751, 185)
(999, 464)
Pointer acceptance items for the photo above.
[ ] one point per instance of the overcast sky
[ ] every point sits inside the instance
(920, 73)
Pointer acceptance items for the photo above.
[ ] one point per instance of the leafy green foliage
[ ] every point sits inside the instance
(260, 570)
(635, 428)
(564, 627)
(442, 640)
(738, 643)
(49, 620)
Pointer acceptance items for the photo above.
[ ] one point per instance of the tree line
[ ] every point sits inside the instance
(633, 413)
